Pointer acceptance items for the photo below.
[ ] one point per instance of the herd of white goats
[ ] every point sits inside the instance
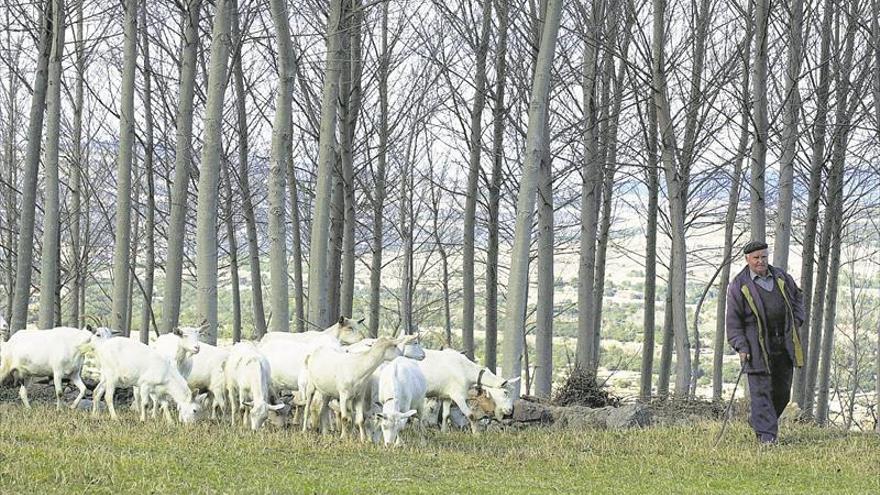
(336, 377)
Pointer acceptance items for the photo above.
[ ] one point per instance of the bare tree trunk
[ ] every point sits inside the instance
(782, 235)
(319, 245)
(122, 249)
(337, 218)
(244, 184)
(296, 249)
(592, 180)
(809, 332)
(676, 185)
(647, 368)
(498, 115)
(150, 221)
(544, 311)
(49, 259)
(875, 29)
(76, 167)
(349, 125)
(835, 205)
(281, 143)
(12, 166)
(135, 246)
(759, 117)
(233, 254)
(519, 270)
(665, 370)
(379, 195)
(608, 183)
(182, 163)
(475, 143)
(209, 176)
(23, 266)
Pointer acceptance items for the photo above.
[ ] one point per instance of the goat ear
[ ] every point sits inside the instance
(409, 413)
(276, 407)
(341, 320)
(510, 381)
(176, 331)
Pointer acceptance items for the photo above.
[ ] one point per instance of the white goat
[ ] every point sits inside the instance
(401, 394)
(451, 375)
(247, 384)
(128, 363)
(207, 376)
(56, 353)
(178, 347)
(343, 375)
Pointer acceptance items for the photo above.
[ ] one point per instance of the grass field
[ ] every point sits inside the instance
(44, 451)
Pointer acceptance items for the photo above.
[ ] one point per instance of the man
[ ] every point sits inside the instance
(764, 312)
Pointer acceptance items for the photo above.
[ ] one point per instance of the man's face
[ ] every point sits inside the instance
(757, 261)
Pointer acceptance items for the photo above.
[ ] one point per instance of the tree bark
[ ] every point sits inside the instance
(122, 249)
(182, 164)
(349, 126)
(759, 117)
(875, 30)
(379, 195)
(281, 143)
(676, 185)
(77, 164)
(592, 180)
(647, 367)
(498, 115)
(209, 176)
(518, 281)
(49, 259)
(23, 266)
(544, 310)
(150, 221)
(668, 340)
(809, 333)
(319, 245)
(247, 204)
(233, 254)
(337, 218)
(782, 235)
(475, 145)
(296, 249)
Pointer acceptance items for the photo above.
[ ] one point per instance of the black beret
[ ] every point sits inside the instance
(753, 246)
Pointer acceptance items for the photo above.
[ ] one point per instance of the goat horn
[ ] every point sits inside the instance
(480, 380)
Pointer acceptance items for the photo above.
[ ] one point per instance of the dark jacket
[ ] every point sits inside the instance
(747, 322)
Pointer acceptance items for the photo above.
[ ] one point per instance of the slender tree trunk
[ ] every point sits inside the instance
(319, 245)
(122, 249)
(444, 258)
(233, 254)
(875, 29)
(182, 163)
(406, 226)
(759, 117)
(808, 332)
(209, 176)
(665, 370)
(24, 263)
(349, 125)
(150, 221)
(49, 259)
(379, 195)
(498, 115)
(519, 271)
(592, 180)
(608, 187)
(544, 310)
(835, 206)
(647, 368)
(337, 214)
(244, 184)
(76, 167)
(135, 247)
(475, 144)
(281, 143)
(782, 235)
(296, 249)
(676, 185)
(11, 223)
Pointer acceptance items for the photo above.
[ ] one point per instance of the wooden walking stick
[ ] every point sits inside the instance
(727, 410)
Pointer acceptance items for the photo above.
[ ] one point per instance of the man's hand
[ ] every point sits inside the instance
(744, 357)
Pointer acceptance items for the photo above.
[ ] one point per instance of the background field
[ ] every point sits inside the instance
(44, 451)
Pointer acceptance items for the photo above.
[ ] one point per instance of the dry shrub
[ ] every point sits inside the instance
(582, 389)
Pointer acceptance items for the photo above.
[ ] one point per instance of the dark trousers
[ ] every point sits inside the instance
(770, 394)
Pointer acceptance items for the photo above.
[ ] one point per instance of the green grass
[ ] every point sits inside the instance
(43, 451)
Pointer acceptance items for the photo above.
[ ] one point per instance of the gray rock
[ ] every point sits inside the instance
(628, 416)
(528, 412)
